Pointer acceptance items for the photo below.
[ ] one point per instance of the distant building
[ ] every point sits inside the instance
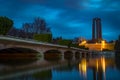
(78, 40)
(96, 30)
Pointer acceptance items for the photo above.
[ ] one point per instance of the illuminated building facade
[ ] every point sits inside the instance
(97, 43)
(96, 30)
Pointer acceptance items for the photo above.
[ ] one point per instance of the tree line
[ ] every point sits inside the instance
(28, 30)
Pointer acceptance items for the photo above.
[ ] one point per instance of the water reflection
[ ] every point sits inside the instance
(43, 75)
(117, 59)
(83, 67)
(17, 62)
(16, 59)
(99, 68)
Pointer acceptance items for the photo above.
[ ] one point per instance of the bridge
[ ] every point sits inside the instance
(40, 47)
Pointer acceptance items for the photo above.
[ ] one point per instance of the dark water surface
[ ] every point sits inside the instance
(97, 68)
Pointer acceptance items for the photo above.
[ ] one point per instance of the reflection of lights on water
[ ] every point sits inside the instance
(103, 63)
(100, 63)
(103, 66)
(97, 65)
(83, 67)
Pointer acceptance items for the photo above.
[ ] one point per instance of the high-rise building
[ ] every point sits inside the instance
(96, 30)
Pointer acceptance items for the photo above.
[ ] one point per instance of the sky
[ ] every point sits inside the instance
(66, 18)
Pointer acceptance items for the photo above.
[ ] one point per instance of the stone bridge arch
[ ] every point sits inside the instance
(39, 48)
(53, 54)
(42, 49)
(77, 55)
(34, 45)
(68, 54)
(18, 50)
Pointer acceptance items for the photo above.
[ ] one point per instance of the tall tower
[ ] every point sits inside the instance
(96, 30)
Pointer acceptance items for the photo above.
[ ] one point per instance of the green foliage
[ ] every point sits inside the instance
(5, 25)
(75, 45)
(43, 37)
(83, 47)
(65, 42)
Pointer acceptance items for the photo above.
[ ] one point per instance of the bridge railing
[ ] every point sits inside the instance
(27, 40)
(36, 42)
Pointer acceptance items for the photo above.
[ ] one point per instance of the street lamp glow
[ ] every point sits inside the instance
(83, 43)
(102, 45)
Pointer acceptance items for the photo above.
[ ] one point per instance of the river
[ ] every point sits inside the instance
(38, 68)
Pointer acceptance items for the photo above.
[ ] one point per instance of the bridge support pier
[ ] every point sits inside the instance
(62, 55)
(2, 46)
(41, 53)
(73, 56)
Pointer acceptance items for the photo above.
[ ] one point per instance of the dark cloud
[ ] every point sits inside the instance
(67, 18)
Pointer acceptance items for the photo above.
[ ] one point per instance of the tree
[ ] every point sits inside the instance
(28, 29)
(65, 42)
(38, 26)
(16, 32)
(43, 37)
(12, 32)
(5, 25)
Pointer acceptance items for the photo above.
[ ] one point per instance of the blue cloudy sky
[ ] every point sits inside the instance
(66, 18)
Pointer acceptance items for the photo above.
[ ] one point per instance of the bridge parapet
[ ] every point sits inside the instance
(30, 41)
(9, 42)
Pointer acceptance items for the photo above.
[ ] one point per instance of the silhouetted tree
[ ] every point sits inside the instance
(40, 26)
(12, 32)
(5, 25)
(37, 27)
(16, 32)
(48, 30)
(27, 29)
